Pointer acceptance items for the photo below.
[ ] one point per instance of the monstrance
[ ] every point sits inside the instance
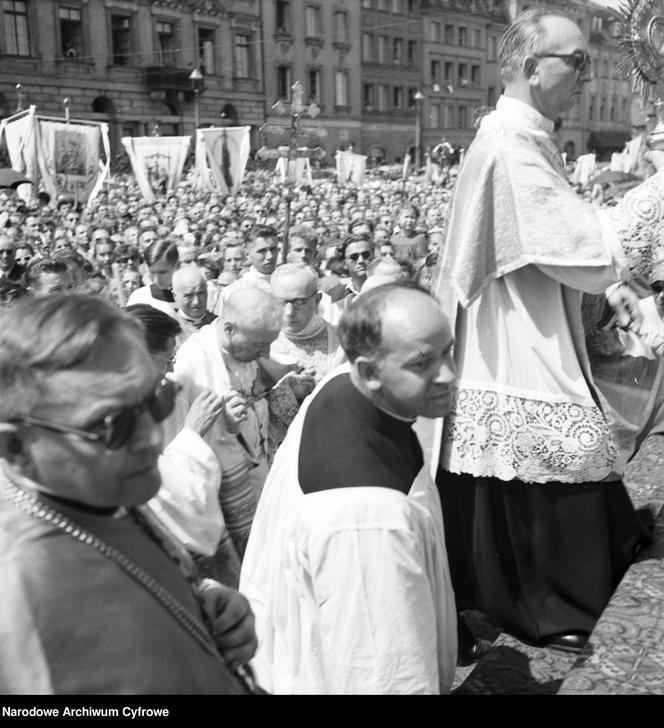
(642, 41)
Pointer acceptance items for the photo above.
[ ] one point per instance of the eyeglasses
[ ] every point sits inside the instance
(580, 60)
(296, 303)
(131, 259)
(365, 255)
(117, 429)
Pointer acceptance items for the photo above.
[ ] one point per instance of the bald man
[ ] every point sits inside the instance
(352, 592)
(222, 357)
(190, 293)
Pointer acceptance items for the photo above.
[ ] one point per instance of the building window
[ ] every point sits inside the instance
(165, 44)
(435, 31)
(475, 75)
(367, 47)
(71, 35)
(206, 51)
(284, 82)
(121, 39)
(397, 97)
(434, 116)
(242, 52)
(412, 6)
(368, 4)
(435, 71)
(492, 48)
(15, 16)
(313, 82)
(382, 98)
(449, 116)
(449, 72)
(463, 117)
(312, 19)
(340, 88)
(382, 5)
(412, 52)
(449, 34)
(491, 96)
(368, 96)
(341, 27)
(282, 17)
(463, 36)
(477, 38)
(591, 108)
(596, 24)
(383, 41)
(397, 56)
(412, 103)
(397, 6)
(463, 75)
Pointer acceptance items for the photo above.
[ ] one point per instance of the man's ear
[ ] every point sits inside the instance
(530, 68)
(229, 327)
(368, 372)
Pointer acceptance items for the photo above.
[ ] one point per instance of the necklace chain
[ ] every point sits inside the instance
(31, 505)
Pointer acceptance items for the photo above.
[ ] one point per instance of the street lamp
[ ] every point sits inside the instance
(196, 78)
(418, 126)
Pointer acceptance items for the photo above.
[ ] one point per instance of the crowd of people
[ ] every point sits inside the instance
(206, 415)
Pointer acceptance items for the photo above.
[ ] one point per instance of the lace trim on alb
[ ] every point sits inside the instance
(490, 434)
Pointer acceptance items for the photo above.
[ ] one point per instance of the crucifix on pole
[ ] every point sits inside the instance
(290, 152)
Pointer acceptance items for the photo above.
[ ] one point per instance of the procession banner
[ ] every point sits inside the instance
(19, 131)
(296, 170)
(350, 167)
(69, 156)
(61, 157)
(221, 157)
(157, 162)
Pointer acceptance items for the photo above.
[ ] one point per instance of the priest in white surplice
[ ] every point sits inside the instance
(539, 525)
(346, 569)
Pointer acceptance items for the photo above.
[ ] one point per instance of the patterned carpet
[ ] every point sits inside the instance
(625, 653)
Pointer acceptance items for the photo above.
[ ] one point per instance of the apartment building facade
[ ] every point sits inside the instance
(128, 62)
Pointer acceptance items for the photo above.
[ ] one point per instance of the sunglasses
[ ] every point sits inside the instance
(580, 60)
(356, 256)
(115, 430)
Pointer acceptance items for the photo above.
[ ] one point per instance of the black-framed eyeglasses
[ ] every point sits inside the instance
(115, 430)
(130, 259)
(365, 255)
(296, 303)
(580, 60)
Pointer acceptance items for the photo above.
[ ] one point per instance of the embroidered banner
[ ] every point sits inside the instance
(61, 157)
(157, 162)
(350, 167)
(297, 170)
(221, 157)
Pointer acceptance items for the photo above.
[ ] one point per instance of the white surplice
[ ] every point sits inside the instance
(350, 586)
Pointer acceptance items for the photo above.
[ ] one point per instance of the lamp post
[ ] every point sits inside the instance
(196, 78)
(418, 126)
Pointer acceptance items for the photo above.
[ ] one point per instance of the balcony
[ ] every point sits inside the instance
(168, 79)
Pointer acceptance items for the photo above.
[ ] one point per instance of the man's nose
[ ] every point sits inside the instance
(446, 372)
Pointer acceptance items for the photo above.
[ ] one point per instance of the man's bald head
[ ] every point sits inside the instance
(190, 291)
(303, 276)
(249, 323)
(399, 343)
(187, 276)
